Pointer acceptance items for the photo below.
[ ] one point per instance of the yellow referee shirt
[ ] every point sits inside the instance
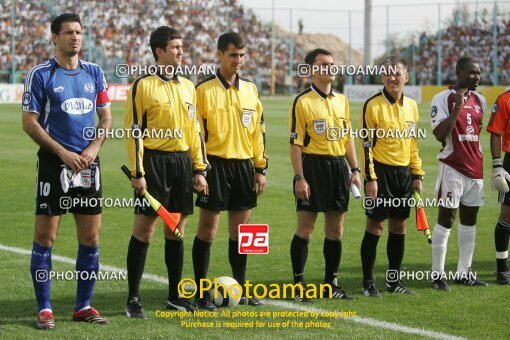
(163, 110)
(320, 122)
(232, 119)
(384, 121)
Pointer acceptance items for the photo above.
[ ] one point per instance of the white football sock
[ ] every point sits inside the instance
(440, 236)
(467, 236)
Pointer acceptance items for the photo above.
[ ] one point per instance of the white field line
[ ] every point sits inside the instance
(282, 304)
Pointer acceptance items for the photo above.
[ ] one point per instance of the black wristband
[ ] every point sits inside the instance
(497, 163)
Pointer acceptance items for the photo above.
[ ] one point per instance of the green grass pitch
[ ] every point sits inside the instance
(464, 312)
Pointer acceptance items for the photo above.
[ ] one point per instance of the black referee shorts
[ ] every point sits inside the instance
(169, 177)
(328, 178)
(504, 197)
(393, 183)
(230, 185)
(50, 198)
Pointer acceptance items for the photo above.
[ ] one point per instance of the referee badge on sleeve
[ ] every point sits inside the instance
(247, 118)
(191, 111)
(319, 126)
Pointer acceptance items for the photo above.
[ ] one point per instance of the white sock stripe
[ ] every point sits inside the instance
(467, 228)
(501, 255)
(441, 229)
(504, 224)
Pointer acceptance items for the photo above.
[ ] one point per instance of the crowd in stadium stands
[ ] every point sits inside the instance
(457, 41)
(32, 43)
(120, 34)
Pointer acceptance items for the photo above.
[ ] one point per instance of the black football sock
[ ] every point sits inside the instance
(174, 256)
(137, 253)
(501, 237)
(237, 262)
(395, 251)
(332, 251)
(201, 255)
(298, 255)
(368, 254)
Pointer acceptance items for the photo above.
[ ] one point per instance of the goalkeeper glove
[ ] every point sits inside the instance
(499, 176)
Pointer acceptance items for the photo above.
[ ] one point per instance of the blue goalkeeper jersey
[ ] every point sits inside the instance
(66, 100)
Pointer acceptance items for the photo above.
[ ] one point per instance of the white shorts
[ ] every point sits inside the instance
(453, 188)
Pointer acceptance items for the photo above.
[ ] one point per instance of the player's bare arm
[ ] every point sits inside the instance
(371, 189)
(301, 187)
(32, 127)
(495, 142)
(139, 184)
(446, 126)
(259, 182)
(200, 185)
(105, 123)
(350, 154)
(418, 185)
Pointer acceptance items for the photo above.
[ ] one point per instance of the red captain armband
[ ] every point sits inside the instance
(102, 98)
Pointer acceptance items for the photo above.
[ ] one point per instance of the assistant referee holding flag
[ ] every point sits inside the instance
(158, 104)
(392, 170)
(233, 126)
(320, 141)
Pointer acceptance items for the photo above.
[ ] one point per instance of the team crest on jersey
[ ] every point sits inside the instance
(470, 130)
(247, 118)
(319, 126)
(477, 108)
(27, 98)
(191, 111)
(89, 87)
(495, 109)
(434, 111)
(58, 89)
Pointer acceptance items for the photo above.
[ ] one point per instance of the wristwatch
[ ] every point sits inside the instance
(356, 169)
(200, 172)
(261, 171)
(298, 177)
(418, 177)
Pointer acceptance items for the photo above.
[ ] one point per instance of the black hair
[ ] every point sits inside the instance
(310, 57)
(56, 23)
(160, 38)
(462, 63)
(230, 38)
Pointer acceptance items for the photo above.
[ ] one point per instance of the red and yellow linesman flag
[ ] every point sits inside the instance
(171, 219)
(421, 218)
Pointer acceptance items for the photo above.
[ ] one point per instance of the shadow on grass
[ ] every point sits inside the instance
(109, 304)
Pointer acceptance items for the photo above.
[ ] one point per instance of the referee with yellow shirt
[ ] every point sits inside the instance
(392, 170)
(232, 122)
(158, 104)
(320, 144)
